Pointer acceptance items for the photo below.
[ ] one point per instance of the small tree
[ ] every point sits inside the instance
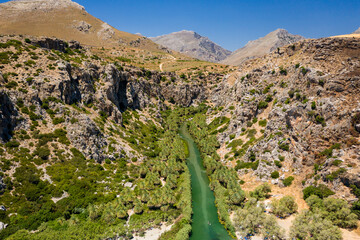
(284, 207)
(261, 192)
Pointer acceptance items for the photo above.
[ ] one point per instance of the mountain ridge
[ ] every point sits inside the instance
(192, 44)
(262, 46)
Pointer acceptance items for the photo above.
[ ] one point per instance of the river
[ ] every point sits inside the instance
(205, 222)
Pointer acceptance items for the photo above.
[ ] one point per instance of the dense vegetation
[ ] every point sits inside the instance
(96, 195)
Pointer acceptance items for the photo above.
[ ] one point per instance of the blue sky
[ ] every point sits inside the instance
(229, 23)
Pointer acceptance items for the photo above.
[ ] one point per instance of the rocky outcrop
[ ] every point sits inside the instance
(55, 44)
(193, 44)
(87, 138)
(8, 114)
(82, 26)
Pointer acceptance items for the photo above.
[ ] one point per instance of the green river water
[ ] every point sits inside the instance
(205, 222)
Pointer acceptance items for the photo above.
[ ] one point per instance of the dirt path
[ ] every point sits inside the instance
(154, 233)
(162, 64)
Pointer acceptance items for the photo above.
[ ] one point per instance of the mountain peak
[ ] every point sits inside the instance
(257, 48)
(43, 5)
(357, 31)
(193, 44)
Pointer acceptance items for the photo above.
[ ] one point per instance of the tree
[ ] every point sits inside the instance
(309, 225)
(284, 207)
(261, 192)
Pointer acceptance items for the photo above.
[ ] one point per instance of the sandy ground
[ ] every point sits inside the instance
(350, 235)
(154, 234)
(286, 224)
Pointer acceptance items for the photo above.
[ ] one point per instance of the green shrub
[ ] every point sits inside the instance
(284, 146)
(11, 84)
(263, 123)
(291, 93)
(43, 152)
(262, 105)
(288, 181)
(322, 191)
(275, 175)
(268, 98)
(284, 207)
(278, 164)
(261, 192)
(12, 144)
(57, 120)
(283, 71)
(313, 105)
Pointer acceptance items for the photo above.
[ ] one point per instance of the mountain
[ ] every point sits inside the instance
(63, 19)
(357, 31)
(262, 46)
(193, 44)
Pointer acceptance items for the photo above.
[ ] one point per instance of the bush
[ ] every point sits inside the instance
(284, 207)
(251, 220)
(275, 175)
(262, 105)
(263, 123)
(11, 84)
(268, 98)
(43, 152)
(288, 181)
(261, 192)
(56, 120)
(284, 146)
(310, 224)
(321, 191)
(313, 105)
(291, 93)
(283, 71)
(12, 144)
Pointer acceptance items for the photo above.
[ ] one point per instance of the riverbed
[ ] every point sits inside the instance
(205, 221)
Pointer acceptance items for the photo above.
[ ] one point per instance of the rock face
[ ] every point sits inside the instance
(357, 31)
(8, 115)
(311, 107)
(262, 46)
(194, 45)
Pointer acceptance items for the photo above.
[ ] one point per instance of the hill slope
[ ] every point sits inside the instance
(62, 19)
(194, 45)
(262, 46)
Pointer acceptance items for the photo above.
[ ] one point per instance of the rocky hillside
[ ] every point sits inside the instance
(194, 45)
(295, 113)
(64, 19)
(262, 46)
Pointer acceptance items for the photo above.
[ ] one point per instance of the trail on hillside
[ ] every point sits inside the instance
(161, 64)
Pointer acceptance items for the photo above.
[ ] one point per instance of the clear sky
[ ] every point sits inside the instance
(229, 23)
